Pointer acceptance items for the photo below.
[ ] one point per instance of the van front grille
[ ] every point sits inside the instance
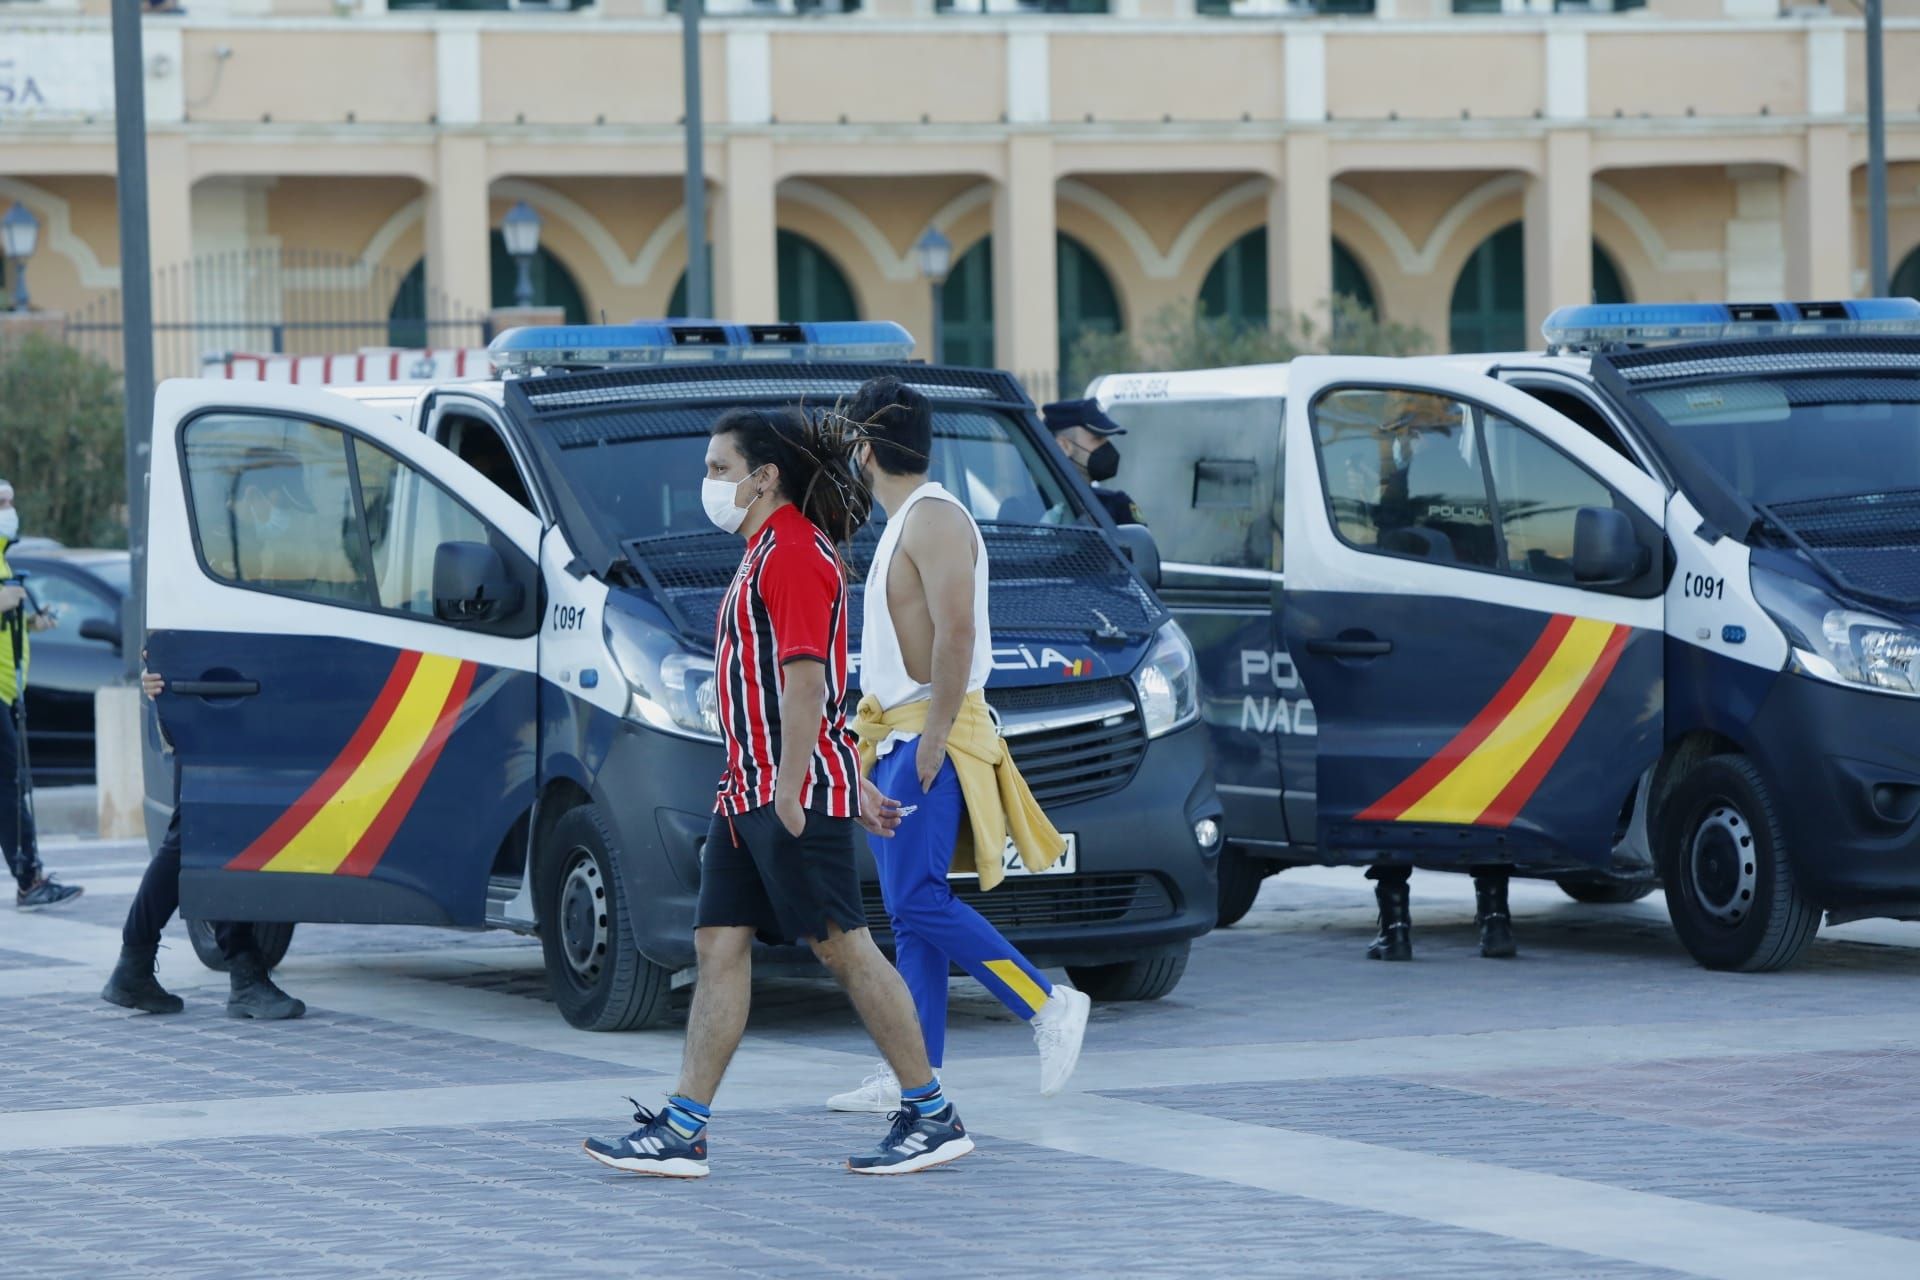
(1047, 902)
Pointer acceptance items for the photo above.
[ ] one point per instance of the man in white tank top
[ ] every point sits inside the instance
(926, 638)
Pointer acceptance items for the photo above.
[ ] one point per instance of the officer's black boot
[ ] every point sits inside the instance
(133, 986)
(1396, 923)
(1496, 925)
(253, 993)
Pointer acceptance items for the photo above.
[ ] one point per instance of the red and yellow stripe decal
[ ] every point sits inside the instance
(1486, 775)
(347, 818)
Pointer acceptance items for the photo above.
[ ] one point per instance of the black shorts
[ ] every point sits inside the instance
(755, 873)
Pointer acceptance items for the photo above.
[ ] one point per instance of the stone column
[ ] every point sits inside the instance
(1558, 232)
(1026, 310)
(459, 256)
(746, 284)
(1300, 230)
(1819, 219)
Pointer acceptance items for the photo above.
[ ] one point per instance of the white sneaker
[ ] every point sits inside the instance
(878, 1093)
(1058, 1029)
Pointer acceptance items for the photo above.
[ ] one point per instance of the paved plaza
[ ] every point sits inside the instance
(1598, 1107)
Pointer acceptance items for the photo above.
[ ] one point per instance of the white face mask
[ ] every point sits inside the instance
(9, 524)
(721, 499)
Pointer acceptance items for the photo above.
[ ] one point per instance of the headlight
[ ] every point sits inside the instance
(1837, 644)
(1169, 691)
(670, 689)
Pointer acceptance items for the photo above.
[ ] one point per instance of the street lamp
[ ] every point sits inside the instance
(935, 252)
(521, 230)
(19, 236)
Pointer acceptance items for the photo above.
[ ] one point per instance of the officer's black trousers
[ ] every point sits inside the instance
(159, 897)
(16, 820)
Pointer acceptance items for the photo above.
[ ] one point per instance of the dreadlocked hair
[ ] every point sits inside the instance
(814, 454)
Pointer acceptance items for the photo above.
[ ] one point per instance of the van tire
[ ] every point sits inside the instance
(599, 979)
(1728, 871)
(272, 938)
(1607, 890)
(1240, 878)
(1147, 978)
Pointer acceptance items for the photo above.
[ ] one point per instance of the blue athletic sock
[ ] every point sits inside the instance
(687, 1117)
(927, 1099)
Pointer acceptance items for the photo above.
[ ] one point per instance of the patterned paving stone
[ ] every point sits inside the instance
(74, 1051)
(521, 1200)
(1862, 1184)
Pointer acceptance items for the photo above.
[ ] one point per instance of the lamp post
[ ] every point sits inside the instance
(19, 236)
(521, 231)
(935, 252)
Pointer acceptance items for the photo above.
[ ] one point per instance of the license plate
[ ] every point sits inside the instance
(1011, 865)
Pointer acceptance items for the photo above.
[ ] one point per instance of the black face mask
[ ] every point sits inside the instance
(1103, 463)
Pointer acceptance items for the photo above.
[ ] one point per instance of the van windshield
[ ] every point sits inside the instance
(638, 469)
(1802, 439)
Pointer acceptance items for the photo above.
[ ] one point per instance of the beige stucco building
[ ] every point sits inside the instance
(1464, 172)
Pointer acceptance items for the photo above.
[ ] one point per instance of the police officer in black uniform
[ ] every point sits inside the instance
(1085, 434)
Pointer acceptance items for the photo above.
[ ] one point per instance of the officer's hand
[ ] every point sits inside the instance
(11, 597)
(152, 685)
(879, 814)
(45, 620)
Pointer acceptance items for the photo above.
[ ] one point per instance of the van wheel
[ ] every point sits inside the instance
(599, 979)
(1607, 890)
(1240, 878)
(1729, 873)
(272, 939)
(1147, 978)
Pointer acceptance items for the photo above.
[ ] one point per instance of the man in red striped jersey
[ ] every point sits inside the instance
(779, 858)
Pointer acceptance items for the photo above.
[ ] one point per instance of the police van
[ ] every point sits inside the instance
(1643, 609)
(443, 655)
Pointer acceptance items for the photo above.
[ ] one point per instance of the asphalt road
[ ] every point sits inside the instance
(1597, 1107)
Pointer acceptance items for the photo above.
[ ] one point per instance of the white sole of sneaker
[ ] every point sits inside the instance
(945, 1153)
(1079, 1007)
(866, 1106)
(649, 1168)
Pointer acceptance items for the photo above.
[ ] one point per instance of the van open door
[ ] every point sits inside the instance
(1474, 602)
(347, 617)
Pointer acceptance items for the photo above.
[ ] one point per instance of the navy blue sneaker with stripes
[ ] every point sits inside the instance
(656, 1148)
(917, 1141)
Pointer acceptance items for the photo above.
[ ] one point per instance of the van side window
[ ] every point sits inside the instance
(1404, 475)
(479, 445)
(1578, 410)
(1539, 490)
(273, 507)
(1205, 473)
(408, 517)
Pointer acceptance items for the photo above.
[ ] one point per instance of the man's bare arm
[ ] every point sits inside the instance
(802, 708)
(939, 540)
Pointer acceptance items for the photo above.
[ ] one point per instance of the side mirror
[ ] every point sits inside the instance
(105, 630)
(1606, 552)
(470, 584)
(1143, 551)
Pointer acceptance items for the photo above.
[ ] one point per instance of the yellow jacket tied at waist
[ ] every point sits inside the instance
(999, 803)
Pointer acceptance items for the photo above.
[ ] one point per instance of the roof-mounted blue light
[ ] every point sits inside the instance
(555, 348)
(1631, 324)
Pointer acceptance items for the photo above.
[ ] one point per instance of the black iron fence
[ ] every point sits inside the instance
(282, 302)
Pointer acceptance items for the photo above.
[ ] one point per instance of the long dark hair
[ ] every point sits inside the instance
(815, 456)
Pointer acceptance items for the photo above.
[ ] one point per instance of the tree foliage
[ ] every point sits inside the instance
(61, 442)
(1183, 338)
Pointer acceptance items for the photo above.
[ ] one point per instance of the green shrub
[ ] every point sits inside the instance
(61, 442)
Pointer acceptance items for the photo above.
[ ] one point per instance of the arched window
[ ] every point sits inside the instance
(1236, 284)
(966, 308)
(553, 286)
(1906, 281)
(1489, 309)
(1608, 284)
(811, 284)
(1088, 302)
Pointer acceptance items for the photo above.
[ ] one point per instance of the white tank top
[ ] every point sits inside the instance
(883, 670)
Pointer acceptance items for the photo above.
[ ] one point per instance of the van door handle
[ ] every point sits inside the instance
(214, 688)
(1350, 648)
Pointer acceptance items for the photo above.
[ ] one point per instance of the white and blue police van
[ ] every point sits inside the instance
(443, 655)
(1640, 610)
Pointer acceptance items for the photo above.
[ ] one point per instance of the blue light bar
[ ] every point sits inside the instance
(1631, 324)
(553, 348)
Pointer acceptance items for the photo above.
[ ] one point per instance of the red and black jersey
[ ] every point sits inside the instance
(788, 601)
